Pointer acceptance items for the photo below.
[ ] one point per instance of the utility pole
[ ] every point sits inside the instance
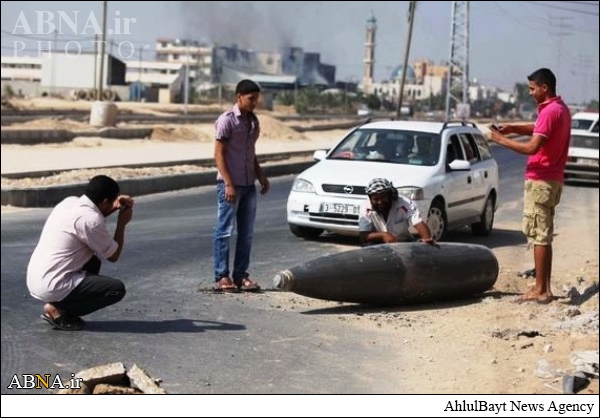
(186, 83)
(53, 70)
(296, 93)
(458, 65)
(585, 62)
(411, 18)
(220, 95)
(140, 69)
(102, 48)
(346, 95)
(95, 62)
(559, 28)
(139, 86)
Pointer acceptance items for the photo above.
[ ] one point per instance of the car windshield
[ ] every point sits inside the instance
(390, 146)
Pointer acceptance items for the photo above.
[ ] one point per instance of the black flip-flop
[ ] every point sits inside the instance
(64, 322)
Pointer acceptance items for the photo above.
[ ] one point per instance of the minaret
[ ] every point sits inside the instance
(369, 53)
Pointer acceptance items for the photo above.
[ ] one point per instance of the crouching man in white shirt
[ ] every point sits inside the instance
(64, 269)
(386, 216)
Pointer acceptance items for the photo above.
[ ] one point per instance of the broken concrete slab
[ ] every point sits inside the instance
(141, 380)
(113, 373)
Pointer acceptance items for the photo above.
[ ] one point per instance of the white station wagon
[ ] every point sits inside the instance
(582, 163)
(447, 169)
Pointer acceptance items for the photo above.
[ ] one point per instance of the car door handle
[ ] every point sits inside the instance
(469, 179)
(485, 174)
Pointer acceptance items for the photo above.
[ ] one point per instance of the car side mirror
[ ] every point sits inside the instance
(460, 165)
(319, 154)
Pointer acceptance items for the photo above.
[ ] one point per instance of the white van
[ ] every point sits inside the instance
(582, 163)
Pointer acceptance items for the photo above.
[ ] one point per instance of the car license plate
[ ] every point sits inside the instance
(587, 161)
(342, 208)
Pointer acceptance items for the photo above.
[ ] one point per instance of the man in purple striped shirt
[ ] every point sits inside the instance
(237, 131)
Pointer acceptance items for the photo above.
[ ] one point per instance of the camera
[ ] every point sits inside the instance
(494, 127)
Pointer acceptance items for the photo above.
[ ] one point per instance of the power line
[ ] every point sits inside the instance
(583, 3)
(583, 12)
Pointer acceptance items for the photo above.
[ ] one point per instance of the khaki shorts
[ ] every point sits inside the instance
(539, 201)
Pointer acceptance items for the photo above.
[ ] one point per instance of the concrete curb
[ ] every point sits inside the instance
(35, 136)
(200, 162)
(46, 136)
(51, 195)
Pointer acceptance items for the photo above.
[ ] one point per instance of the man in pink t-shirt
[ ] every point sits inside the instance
(544, 176)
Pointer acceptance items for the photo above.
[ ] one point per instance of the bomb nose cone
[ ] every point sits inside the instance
(284, 280)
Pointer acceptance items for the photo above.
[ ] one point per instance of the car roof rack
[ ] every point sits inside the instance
(459, 122)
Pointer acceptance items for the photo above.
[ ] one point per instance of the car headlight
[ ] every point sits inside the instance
(413, 193)
(301, 185)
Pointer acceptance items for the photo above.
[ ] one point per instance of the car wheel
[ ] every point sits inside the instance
(437, 220)
(305, 232)
(484, 227)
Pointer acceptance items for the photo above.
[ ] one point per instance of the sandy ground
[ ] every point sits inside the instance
(492, 345)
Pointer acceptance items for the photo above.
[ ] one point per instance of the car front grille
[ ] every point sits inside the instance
(579, 141)
(344, 189)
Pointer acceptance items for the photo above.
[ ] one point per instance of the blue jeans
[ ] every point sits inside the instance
(242, 212)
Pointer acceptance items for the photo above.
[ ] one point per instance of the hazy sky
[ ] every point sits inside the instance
(508, 41)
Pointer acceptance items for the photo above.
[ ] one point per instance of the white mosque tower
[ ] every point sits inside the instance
(369, 62)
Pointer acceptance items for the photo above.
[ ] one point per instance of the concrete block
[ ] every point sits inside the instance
(141, 380)
(112, 373)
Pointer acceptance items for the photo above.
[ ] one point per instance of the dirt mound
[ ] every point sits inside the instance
(271, 128)
(172, 133)
(52, 103)
(61, 105)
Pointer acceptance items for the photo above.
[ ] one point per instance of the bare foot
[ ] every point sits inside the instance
(53, 311)
(543, 298)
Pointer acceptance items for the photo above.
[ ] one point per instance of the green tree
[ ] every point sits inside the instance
(372, 101)
(592, 105)
(8, 91)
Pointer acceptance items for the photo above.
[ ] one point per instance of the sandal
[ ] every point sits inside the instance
(249, 285)
(64, 322)
(225, 285)
(543, 301)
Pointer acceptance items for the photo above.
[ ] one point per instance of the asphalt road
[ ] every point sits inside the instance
(198, 342)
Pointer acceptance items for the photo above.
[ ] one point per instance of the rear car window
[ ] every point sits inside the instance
(484, 148)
